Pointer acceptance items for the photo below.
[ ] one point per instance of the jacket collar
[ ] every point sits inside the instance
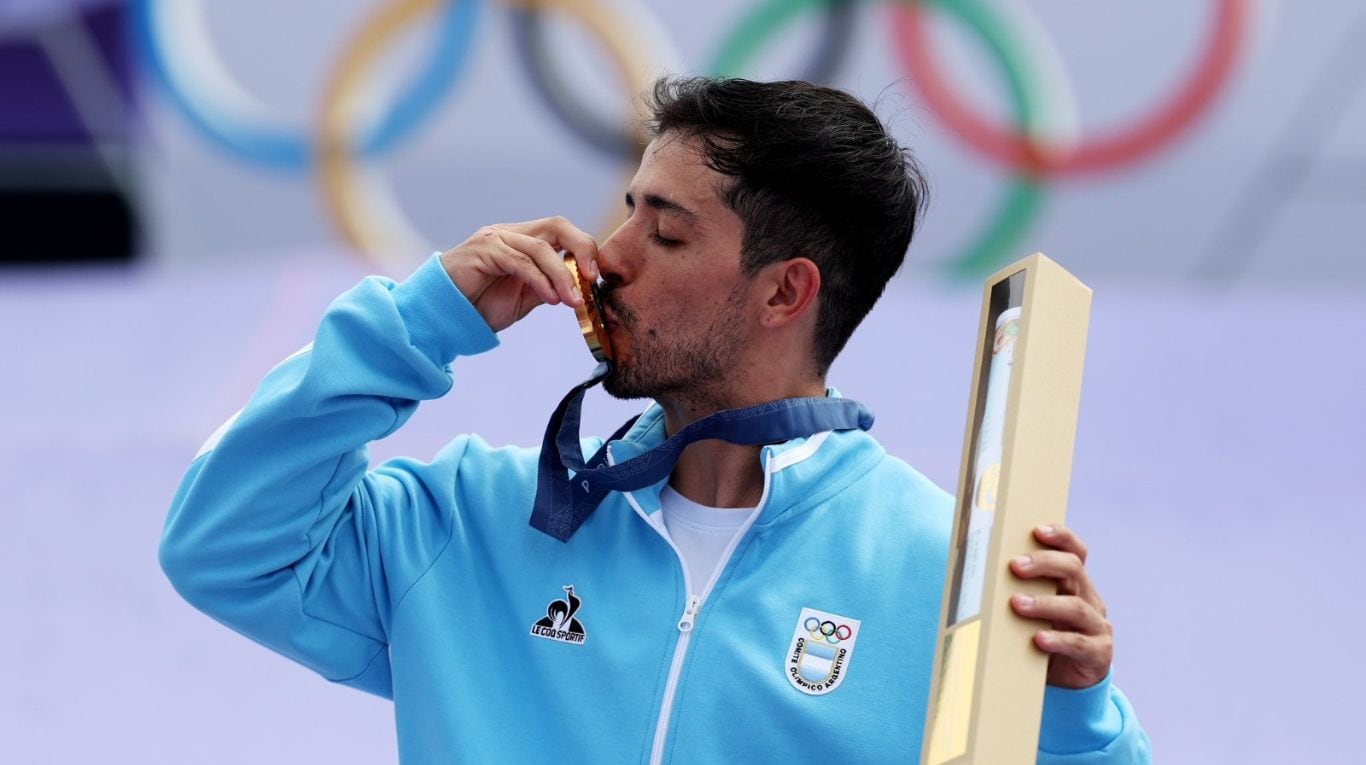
(801, 473)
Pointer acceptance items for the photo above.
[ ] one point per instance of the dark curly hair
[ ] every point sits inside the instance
(816, 175)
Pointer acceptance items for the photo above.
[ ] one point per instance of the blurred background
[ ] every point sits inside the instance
(184, 186)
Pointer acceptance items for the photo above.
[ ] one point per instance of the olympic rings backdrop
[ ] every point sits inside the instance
(987, 75)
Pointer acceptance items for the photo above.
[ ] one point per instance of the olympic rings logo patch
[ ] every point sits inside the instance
(827, 630)
(818, 656)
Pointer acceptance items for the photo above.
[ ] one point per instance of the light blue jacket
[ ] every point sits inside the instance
(422, 582)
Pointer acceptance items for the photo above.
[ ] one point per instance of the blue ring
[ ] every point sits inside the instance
(295, 150)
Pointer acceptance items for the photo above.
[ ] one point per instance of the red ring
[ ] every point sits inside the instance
(1101, 153)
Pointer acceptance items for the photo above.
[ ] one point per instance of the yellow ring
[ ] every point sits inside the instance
(364, 208)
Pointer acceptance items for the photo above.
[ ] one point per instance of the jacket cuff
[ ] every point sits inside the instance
(441, 323)
(1079, 720)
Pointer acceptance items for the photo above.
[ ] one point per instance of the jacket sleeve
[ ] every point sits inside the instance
(279, 531)
(1091, 726)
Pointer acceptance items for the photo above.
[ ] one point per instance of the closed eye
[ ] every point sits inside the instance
(663, 206)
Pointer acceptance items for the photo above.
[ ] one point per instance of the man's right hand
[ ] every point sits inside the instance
(506, 270)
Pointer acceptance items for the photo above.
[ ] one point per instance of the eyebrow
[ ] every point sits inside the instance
(664, 204)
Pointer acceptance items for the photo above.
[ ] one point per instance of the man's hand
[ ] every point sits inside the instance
(506, 270)
(1081, 642)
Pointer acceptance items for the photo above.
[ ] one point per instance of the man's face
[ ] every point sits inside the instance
(674, 296)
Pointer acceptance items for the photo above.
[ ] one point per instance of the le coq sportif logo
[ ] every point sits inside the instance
(560, 621)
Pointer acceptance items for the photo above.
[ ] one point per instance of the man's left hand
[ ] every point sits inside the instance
(1081, 641)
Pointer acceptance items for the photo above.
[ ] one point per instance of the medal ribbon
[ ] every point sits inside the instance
(564, 502)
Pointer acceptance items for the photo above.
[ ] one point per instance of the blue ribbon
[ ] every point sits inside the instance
(564, 501)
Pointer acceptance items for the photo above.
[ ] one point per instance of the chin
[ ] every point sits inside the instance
(619, 385)
(629, 379)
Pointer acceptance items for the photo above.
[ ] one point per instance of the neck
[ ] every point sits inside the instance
(713, 472)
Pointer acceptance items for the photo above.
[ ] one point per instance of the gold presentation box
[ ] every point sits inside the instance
(986, 694)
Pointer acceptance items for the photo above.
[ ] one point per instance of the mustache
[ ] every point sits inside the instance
(607, 298)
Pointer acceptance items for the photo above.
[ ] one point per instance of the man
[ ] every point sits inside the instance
(770, 602)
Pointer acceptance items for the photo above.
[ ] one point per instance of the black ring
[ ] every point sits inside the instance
(615, 139)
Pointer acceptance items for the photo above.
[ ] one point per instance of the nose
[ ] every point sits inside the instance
(618, 256)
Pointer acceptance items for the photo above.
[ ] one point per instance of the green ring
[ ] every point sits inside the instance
(752, 32)
(1023, 198)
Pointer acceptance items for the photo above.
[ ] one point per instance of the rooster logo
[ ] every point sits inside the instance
(559, 622)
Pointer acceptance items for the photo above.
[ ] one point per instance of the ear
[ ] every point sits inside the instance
(790, 291)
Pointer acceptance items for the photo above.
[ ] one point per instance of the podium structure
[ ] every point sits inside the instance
(986, 692)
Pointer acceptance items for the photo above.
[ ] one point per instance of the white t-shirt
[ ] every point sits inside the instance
(701, 533)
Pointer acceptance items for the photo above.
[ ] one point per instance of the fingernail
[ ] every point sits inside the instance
(578, 294)
(1025, 600)
(593, 266)
(1023, 561)
(1047, 530)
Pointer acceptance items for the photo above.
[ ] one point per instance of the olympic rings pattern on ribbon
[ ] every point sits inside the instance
(827, 630)
(174, 43)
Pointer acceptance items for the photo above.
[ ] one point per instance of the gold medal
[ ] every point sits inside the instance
(590, 318)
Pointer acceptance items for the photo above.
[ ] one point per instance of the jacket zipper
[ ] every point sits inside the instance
(692, 606)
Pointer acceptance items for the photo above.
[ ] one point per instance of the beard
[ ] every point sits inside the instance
(684, 357)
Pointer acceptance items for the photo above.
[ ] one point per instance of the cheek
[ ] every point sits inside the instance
(679, 310)
(680, 306)
(662, 307)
